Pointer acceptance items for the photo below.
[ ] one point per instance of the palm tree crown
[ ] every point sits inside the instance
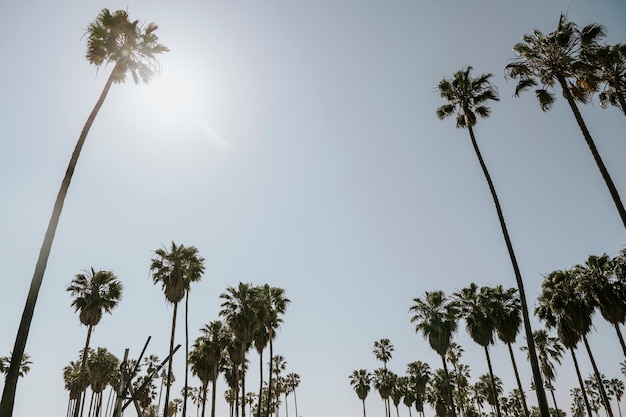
(95, 293)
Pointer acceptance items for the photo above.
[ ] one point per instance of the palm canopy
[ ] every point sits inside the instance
(360, 381)
(95, 293)
(553, 59)
(131, 47)
(383, 350)
(176, 269)
(437, 320)
(610, 61)
(466, 97)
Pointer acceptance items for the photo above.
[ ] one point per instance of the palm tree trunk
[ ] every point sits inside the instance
(450, 397)
(534, 364)
(363, 409)
(620, 337)
(556, 408)
(494, 391)
(258, 411)
(83, 372)
(168, 384)
(594, 151)
(605, 398)
(10, 382)
(186, 353)
(204, 390)
(213, 384)
(269, 387)
(581, 382)
(295, 401)
(519, 382)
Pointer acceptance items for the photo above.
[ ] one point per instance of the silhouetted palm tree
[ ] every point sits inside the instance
(132, 48)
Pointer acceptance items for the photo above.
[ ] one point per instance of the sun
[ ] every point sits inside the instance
(171, 97)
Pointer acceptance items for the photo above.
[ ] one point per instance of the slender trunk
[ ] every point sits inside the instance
(363, 409)
(519, 382)
(258, 411)
(534, 364)
(295, 401)
(168, 384)
(10, 383)
(605, 398)
(556, 408)
(213, 384)
(448, 388)
(269, 387)
(204, 390)
(581, 382)
(83, 373)
(286, 406)
(618, 407)
(186, 353)
(494, 391)
(594, 151)
(620, 337)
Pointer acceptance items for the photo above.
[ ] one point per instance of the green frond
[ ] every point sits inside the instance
(483, 111)
(524, 84)
(445, 111)
(546, 99)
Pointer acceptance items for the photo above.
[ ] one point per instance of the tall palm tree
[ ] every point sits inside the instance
(561, 307)
(75, 383)
(604, 290)
(273, 302)
(508, 323)
(360, 380)
(384, 380)
(555, 59)
(239, 310)
(293, 381)
(94, 293)
(175, 269)
(436, 319)
(102, 372)
(476, 308)
(131, 48)
(383, 350)
(467, 97)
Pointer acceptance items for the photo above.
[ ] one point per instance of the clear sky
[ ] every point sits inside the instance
(294, 143)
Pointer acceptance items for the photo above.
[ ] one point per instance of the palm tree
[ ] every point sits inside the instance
(239, 310)
(175, 270)
(467, 97)
(75, 383)
(617, 388)
(25, 364)
(360, 381)
(560, 307)
(492, 389)
(419, 377)
(94, 293)
(550, 350)
(556, 59)
(112, 38)
(293, 382)
(439, 393)
(383, 350)
(273, 304)
(508, 322)
(213, 342)
(384, 380)
(604, 290)
(436, 318)
(102, 367)
(480, 322)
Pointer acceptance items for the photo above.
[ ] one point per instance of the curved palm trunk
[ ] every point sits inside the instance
(10, 384)
(620, 337)
(534, 364)
(494, 391)
(186, 353)
(594, 151)
(605, 398)
(556, 408)
(168, 384)
(519, 382)
(450, 397)
(581, 383)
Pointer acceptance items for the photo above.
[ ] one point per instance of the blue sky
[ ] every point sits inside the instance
(296, 144)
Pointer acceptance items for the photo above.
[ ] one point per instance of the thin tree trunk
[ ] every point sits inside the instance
(582, 384)
(204, 390)
(448, 388)
(168, 384)
(269, 387)
(594, 151)
(556, 408)
(519, 382)
(10, 383)
(83, 372)
(493, 383)
(186, 353)
(363, 409)
(213, 383)
(620, 337)
(258, 411)
(539, 390)
(605, 398)
(295, 401)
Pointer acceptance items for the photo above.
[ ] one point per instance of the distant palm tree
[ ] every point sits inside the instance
(550, 350)
(75, 383)
(419, 377)
(384, 381)
(437, 320)
(360, 381)
(175, 269)
(293, 381)
(25, 364)
(102, 367)
(467, 97)
(555, 59)
(476, 307)
(94, 293)
(383, 350)
(111, 38)
(617, 388)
